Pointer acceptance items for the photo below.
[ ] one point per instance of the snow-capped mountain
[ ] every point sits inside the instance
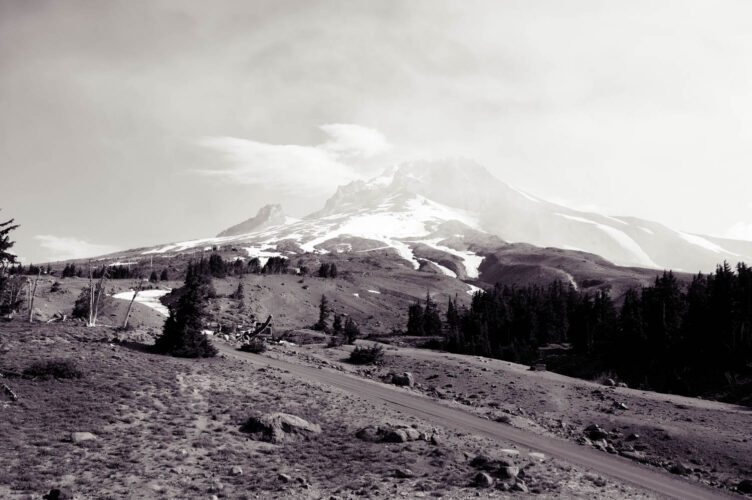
(448, 214)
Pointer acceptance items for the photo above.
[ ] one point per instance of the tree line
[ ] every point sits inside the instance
(666, 336)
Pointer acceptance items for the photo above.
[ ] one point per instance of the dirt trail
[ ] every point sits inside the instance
(616, 467)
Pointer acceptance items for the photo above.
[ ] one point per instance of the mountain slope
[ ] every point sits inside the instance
(448, 216)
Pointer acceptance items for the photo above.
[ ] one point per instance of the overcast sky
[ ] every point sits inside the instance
(130, 123)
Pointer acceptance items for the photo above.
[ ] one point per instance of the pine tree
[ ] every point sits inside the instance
(337, 325)
(352, 331)
(182, 335)
(153, 278)
(164, 276)
(431, 318)
(415, 320)
(8, 301)
(238, 294)
(324, 311)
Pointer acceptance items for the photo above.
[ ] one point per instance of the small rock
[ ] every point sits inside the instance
(621, 384)
(482, 480)
(80, 437)
(236, 471)
(284, 478)
(435, 439)
(520, 486)
(680, 469)
(633, 437)
(609, 382)
(403, 473)
(620, 406)
(508, 472)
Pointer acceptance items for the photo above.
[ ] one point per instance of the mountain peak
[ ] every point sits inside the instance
(267, 216)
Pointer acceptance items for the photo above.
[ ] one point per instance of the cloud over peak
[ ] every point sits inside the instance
(342, 158)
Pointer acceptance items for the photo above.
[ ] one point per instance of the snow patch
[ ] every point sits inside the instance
(706, 244)
(473, 289)
(149, 298)
(619, 237)
(374, 291)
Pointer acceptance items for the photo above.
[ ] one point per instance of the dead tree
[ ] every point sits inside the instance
(8, 391)
(266, 325)
(130, 305)
(32, 294)
(100, 291)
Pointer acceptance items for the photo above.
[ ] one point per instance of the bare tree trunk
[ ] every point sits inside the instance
(128, 312)
(91, 297)
(100, 290)
(31, 299)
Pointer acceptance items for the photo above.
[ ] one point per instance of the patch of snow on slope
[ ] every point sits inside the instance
(473, 289)
(445, 270)
(374, 291)
(621, 238)
(703, 243)
(149, 298)
(263, 253)
(470, 260)
(571, 279)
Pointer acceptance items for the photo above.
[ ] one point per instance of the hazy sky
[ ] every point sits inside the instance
(130, 123)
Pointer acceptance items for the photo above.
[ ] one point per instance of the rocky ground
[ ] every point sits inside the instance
(705, 441)
(139, 425)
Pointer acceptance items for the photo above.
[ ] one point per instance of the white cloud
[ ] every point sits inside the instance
(354, 140)
(740, 231)
(65, 247)
(297, 169)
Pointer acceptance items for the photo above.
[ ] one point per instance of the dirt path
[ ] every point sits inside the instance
(423, 407)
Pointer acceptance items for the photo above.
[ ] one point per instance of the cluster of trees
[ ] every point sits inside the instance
(70, 270)
(217, 267)
(664, 336)
(31, 269)
(346, 332)
(327, 270)
(425, 319)
(275, 265)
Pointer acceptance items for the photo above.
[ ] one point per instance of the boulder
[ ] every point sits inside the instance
(279, 427)
(80, 437)
(609, 382)
(389, 434)
(403, 473)
(680, 469)
(594, 432)
(483, 480)
(507, 472)
(404, 380)
(236, 471)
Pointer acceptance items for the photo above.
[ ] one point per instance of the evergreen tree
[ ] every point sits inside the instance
(415, 320)
(333, 271)
(164, 276)
(153, 278)
(9, 296)
(182, 335)
(324, 311)
(238, 294)
(337, 325)
(352, 331)
(431, 317)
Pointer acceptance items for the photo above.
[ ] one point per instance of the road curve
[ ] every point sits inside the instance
(614, 466)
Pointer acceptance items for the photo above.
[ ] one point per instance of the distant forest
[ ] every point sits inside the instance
(688, 339)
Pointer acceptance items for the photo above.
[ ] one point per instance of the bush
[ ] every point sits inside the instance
(255, 346)
(373, 355)
(54, 368)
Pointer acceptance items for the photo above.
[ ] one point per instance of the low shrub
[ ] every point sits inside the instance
(54, 368)
(373, 355)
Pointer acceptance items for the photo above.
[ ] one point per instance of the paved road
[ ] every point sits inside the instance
(616, 467)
